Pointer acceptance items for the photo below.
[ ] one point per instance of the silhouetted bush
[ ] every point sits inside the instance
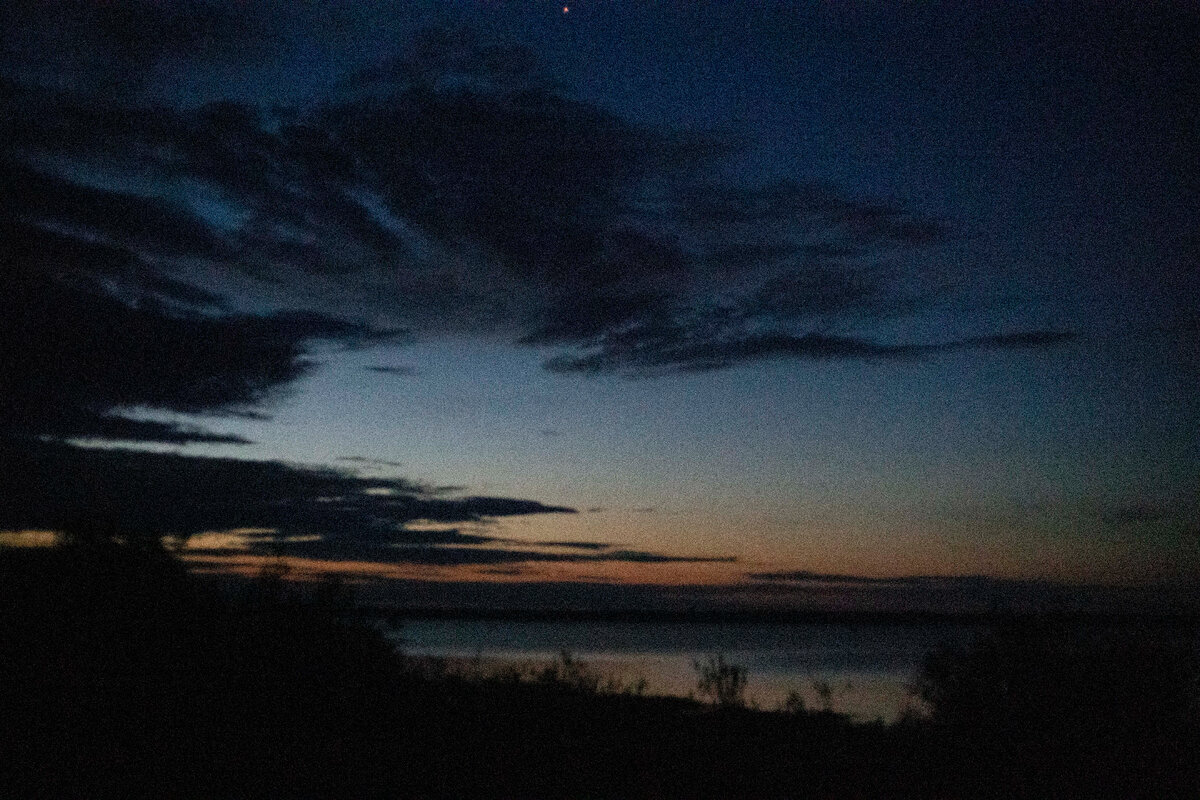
(569, 672)
(722, 683)
(1087, 710)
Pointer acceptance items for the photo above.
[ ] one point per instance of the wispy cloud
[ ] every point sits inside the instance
(392, 370)
(369, 462)
(1158, 513)
(651, 351)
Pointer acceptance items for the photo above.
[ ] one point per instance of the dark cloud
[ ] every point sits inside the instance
(650, 351)
(102, 315)
(654, 350)
(642, 557)
(458, 556)
(439, 548)
(501, 571)
(75, 356)
(974, 582)
(368, 462)
(579, 545)
(61, 487)
(1161, 515)
(805, 576)
(1134, 513)
(454, 188)
(450, 510)
(390, 370)
(276, 508)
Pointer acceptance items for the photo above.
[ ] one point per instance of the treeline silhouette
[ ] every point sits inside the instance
(122, 676)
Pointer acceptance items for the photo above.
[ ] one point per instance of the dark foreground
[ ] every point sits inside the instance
(122, 677)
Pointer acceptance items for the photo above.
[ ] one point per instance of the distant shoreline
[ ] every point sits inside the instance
(770, 616)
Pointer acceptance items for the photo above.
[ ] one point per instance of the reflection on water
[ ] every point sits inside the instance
(859, 669)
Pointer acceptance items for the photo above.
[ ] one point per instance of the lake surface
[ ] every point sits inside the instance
(866, 667)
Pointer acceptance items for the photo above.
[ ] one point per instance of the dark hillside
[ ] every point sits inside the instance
(120, 676)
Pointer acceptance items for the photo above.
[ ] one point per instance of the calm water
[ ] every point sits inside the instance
(866, 667)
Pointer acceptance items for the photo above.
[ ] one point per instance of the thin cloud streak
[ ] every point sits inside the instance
(673, 350)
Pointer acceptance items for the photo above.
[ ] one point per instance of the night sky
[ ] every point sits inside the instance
(835, 304)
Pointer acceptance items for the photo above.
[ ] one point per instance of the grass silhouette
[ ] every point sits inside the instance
(722, 683)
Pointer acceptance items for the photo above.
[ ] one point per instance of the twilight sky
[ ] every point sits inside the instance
(829, 303)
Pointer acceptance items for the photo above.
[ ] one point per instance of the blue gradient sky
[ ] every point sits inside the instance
(1054, 145)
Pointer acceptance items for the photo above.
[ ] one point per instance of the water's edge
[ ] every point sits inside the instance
(864, 670)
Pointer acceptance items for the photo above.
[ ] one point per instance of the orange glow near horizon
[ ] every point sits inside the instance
(831, 552)
(302, 569)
